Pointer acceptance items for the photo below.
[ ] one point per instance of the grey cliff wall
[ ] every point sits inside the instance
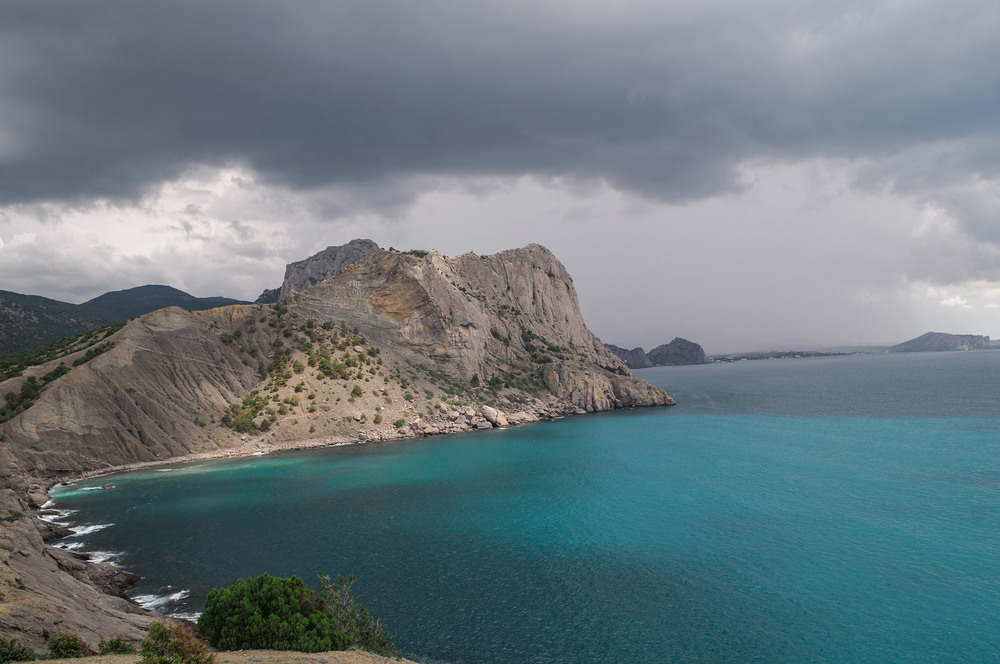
(306, 273)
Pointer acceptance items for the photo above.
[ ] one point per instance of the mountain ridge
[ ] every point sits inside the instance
(29, 321)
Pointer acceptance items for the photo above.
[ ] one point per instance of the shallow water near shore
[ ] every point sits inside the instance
(810, 510)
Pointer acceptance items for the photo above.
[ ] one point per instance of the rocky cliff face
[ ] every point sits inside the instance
(392, 345)
(483, 318)
(303, 274)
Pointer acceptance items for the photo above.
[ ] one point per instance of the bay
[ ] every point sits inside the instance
(810, 510)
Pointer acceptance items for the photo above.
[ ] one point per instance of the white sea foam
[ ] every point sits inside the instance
(86, 530)
(102, 556)
(56, 516)
(48, 503)
(182, 615)
(153, 602)
(72, 546)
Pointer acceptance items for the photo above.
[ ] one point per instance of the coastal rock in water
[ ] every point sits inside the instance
(494, 416)
(595, 390)
(678, 352)
(633, 359)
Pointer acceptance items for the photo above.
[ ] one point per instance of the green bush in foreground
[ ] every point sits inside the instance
(362, 630)
(173, 643)
(269, 613)
(115, 646)
(68, 645)
(12, 651)
(282, 614)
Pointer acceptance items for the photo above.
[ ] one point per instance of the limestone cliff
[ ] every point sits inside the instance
(392, 345)
(306, 273)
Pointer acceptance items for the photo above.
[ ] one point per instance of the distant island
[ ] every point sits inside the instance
(939, 341)
(678, 352)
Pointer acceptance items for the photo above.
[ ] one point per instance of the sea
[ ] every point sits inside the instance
(835, 509)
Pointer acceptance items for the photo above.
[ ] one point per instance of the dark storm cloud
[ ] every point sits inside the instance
(107, 99)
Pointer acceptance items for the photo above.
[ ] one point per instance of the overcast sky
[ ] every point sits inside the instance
(744, 174)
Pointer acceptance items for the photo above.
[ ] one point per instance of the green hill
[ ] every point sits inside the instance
(28, 321)
(144, 299)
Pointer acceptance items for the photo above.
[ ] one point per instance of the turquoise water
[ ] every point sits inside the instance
(810, 510)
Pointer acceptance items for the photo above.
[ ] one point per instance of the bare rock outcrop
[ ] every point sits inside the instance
(306, 273)
(592, 389)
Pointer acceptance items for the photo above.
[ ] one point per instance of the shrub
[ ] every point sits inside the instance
(362, 630)
(399, 423)
(269, 613)
(115, 646)
(357, 391)
(67, 644)
(12, 651)
(173, 643)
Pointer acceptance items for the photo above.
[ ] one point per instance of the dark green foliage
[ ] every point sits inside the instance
(399, 423)
(357, 391)
(66, 645)
(269, 613)
(419, 253)
(174, 643)
(28, 321)
(363, 631)
(92, 353)
(240, 416)
(115, 646)
(12, 515)
(475, 380)
(14, 365)
(12, 651)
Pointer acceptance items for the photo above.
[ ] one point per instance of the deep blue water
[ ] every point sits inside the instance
(810, 510)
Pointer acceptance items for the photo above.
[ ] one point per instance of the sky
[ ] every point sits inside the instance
(748, 175)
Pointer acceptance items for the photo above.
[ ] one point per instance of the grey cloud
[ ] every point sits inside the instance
(109, 98)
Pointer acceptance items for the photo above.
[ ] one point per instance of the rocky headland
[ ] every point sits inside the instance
(388, 345)
(940, 341)
(678, 352)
